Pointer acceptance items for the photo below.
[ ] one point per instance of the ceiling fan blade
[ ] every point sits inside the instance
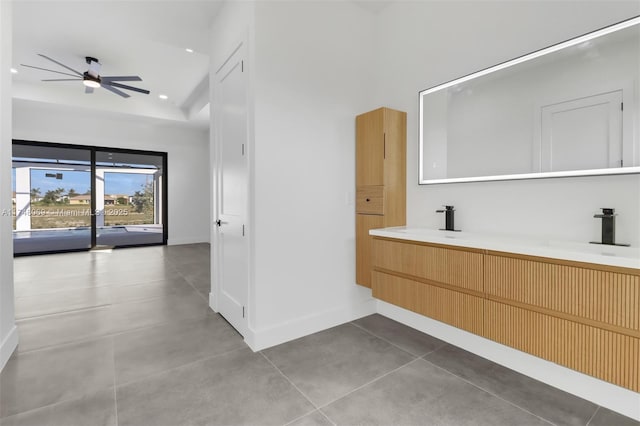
(116, 91)
(62, 79)
(61, 64)
(45, 69)
(124, 86)
(120, 78)
(88, 89)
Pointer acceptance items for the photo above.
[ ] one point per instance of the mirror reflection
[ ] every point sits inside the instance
(571, 109)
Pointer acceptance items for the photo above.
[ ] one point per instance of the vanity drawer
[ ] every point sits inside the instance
(591, 350)
(370, 199)
(462, 269)
(601, 297)
(455, 308)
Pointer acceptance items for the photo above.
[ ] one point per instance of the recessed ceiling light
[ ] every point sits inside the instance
(14, 71)
(163, 97)
(188, 50)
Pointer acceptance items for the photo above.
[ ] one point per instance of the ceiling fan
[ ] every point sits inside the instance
(92, 78)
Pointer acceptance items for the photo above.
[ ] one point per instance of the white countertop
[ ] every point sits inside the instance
(627, 257)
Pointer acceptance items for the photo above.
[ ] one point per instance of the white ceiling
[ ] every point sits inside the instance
(147, 38)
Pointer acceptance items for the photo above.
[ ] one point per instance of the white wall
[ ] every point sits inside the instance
(312, 74)
(422, 44)
(187, 154)
(8, 331)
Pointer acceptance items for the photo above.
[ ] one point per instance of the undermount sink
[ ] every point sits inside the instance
(568, 250)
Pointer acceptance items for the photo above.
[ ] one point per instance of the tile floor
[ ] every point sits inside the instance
(126, 338)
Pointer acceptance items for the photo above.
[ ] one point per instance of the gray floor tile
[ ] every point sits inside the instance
(53, 283)
(136, 275)
(558, 407)
(232, 389)
(406, 338)
(150, 290)
(169, 309)
(62, 301)
(331, 363)
(35, 379)
(605, 417)
(41, 332)
(314, 419)
(422, 394)
(98, 409)
(151, 350)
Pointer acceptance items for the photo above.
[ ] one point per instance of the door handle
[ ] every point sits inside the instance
(220, 223)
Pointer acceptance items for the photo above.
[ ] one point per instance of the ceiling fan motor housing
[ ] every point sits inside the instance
(94, 67)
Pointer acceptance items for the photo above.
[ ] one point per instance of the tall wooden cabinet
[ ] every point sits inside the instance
(381, 180)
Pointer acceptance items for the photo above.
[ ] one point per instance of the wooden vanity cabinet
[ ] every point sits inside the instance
(579, 315)
(432, 280)
(381, 140)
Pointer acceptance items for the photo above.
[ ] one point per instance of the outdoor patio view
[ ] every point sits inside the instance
(56, 203)
(129, 201)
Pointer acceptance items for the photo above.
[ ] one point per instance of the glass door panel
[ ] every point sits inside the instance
(51, 198)
(129, 198)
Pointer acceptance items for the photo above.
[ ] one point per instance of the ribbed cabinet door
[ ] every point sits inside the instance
(370, 148)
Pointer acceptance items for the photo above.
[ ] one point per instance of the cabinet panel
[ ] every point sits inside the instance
(458, 268)
(604, 354)
(370, 200)
(602, 296)
(370, 148)
(395, 167)
(395, 290)
(451, 307)
(457, 309)
(363, 246)
(394, 256)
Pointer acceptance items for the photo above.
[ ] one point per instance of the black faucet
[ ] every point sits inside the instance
(448, 218)
(608, 217)
(608, 225)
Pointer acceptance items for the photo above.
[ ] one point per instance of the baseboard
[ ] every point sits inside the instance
(615, 398)
(8, 345)
(212, 302)
(300, 327)
(180, 241)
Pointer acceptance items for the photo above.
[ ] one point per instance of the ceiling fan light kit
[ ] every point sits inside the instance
(92, 79)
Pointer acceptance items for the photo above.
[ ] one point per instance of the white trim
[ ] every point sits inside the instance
(304, 326)
(8, 345)
(212, 302)
(189, 240)
(608, 395)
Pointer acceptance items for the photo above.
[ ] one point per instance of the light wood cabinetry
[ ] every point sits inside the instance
(381, 137)
(431, 280)
(610, 356)
(580, 315)
(603, 297)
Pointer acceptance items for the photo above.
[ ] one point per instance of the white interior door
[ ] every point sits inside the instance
(582, 134)
(231, 247)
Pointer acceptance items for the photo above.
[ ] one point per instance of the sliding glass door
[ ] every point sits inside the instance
(130, 209)
(76, 198)
(44, 180)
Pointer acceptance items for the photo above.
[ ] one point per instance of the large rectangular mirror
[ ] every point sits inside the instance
(568, 110)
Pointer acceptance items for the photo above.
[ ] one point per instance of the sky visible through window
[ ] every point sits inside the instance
(80, 181)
